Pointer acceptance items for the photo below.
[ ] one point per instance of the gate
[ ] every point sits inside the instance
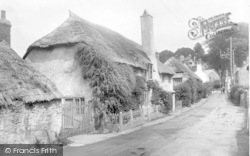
(75, 117)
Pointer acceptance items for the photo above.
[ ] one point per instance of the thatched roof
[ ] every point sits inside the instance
(104, 41)
(20, 81)
(162, 68)
(180, 67)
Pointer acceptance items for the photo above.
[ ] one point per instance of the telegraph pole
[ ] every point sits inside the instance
(231, 58)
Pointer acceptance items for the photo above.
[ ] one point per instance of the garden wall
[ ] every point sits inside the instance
(30, 124)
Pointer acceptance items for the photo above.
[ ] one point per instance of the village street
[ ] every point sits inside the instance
(214, 128)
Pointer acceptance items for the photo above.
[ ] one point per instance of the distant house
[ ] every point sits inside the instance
(212, 75)
(242, 76)
(188, 61)
(166, 76)
(30, 105)
(182, 72)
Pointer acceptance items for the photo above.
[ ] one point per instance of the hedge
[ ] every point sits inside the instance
(235, 93)
(160, 96)
(192, 91)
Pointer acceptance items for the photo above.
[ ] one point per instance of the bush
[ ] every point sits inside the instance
(200, 90)
(138, 93)
(216, 84)
(233, 89)
(193, 85)
(183, 92)
(207, 88)
(192, 91)
(160, 96)
(235, 94)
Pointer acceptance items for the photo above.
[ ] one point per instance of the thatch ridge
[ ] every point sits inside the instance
(21, 82)
(162, 68)
(103, 40)
(180, 67)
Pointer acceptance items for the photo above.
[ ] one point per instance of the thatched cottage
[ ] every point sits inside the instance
(54, 54)
(30, 110)
(182, 72)
(57, 56)
(84, 59)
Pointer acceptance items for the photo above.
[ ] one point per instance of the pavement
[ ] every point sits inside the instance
(214, 127)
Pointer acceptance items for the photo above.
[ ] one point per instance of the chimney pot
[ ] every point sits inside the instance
(3, 14)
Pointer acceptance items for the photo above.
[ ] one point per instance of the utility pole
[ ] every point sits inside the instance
(231, 59)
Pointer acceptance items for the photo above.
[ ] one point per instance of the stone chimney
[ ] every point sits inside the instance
(148, 45)
(5, 28)
(3, 14)
(147, 33)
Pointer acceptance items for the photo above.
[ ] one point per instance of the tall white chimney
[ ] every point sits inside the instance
(5, 28)
(147, 35)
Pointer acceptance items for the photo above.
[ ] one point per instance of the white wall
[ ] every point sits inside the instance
(25, 125)
(166, 85)
(59, 66)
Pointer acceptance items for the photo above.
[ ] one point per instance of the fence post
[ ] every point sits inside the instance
(142, 115)
(157, 110)
(63, 122)
(120, 120)
(131, 117)
(148, 114)
(173, 102)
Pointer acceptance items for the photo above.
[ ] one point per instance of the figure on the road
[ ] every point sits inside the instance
(223, 89)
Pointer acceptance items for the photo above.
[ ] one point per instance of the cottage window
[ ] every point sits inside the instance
(177, 80)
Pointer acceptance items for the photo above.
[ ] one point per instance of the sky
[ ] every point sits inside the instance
(33, 19)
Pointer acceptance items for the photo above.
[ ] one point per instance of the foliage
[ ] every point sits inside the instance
(154, 85)
(182, 91)
(193, 85)
(221, 42)
(111, 83)
(159, 96)
(137, 97)
(199, 51)
(192, 91)
(233, 89)
(207, 88)
(235, 94)
(199, 91)
(185, 52)
(216, 84)
(165, 55)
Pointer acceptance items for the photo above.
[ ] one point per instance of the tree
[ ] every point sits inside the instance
(184, 51)
(165, 55)
(199, 51)
(221, 42)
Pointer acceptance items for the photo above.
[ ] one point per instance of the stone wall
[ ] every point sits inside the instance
(31, 123)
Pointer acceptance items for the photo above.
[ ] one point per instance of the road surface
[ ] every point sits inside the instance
(215, 128)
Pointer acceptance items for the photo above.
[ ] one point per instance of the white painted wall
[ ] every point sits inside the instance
(59, 66)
